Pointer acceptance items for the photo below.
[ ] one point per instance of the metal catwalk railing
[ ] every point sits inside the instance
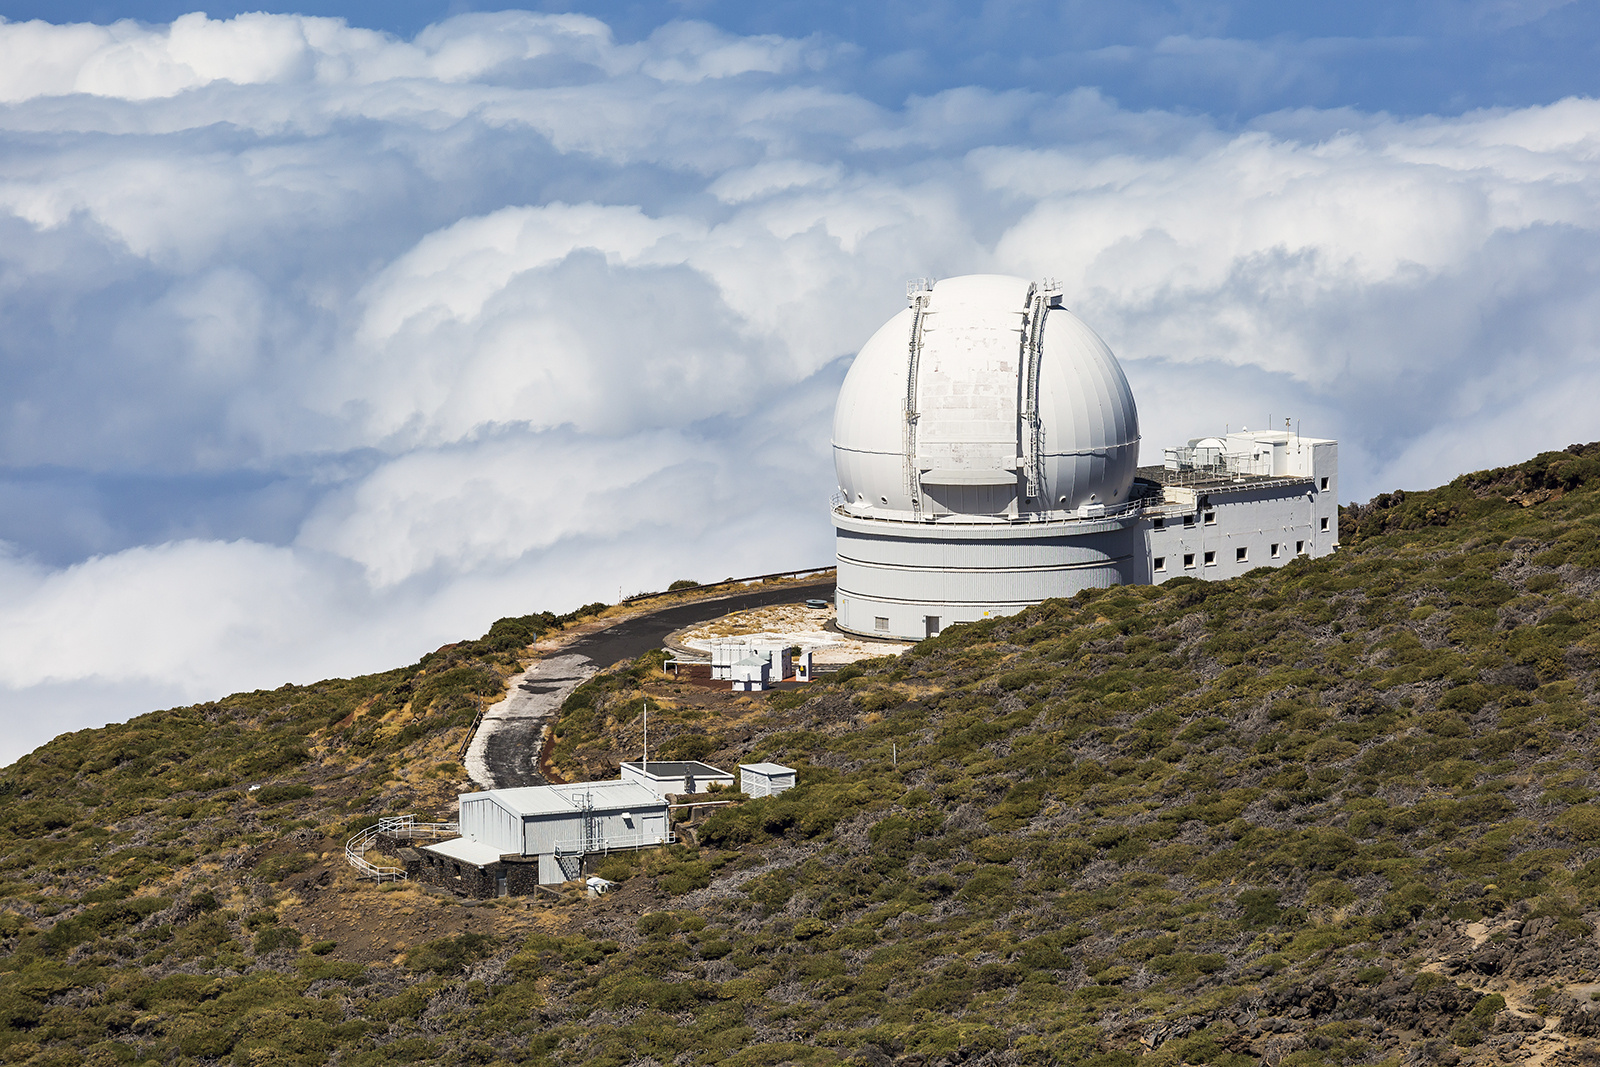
(600, 842)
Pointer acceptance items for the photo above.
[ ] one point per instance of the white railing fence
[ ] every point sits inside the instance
(355, 849)
(605, 843)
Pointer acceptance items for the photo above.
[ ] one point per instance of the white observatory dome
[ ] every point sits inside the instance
(987, 398)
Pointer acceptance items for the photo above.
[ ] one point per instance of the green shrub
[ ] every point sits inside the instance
(450, 955)
(1259, 907)
(276, 938)
(1582, 822)
(277, 794)
(657, 924)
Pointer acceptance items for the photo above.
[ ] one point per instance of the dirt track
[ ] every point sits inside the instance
(505, 751)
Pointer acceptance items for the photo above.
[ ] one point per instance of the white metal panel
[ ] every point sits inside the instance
(485, 820)
(542, 832)
(967, 383)
(765, 779)
(1091, 424)
(464, 850)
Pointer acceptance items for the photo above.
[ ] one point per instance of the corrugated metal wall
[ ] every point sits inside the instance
(543, 833)
(756, 784)
(484, 820)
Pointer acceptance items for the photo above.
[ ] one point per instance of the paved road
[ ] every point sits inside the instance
(505, 751)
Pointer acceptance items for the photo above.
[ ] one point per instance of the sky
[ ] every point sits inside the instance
(332, 332)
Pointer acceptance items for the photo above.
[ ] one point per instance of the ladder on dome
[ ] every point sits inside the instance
(1040, 297)
(918, 293)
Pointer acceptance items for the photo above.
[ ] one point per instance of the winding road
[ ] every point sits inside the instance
(505, 751)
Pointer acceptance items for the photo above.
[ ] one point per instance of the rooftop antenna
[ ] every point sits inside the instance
(645, 766)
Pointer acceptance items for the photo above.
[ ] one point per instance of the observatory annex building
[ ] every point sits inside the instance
(987, 450)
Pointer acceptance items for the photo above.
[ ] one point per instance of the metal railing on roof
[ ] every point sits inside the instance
(1115, 511)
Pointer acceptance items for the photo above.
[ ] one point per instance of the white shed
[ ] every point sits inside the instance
(765, 779)
(752, 674)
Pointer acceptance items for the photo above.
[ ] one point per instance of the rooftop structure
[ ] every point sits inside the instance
(662, 777)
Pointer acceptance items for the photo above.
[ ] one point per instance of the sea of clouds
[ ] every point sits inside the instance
(320, 348)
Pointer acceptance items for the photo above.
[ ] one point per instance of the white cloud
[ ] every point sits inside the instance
(527, 313)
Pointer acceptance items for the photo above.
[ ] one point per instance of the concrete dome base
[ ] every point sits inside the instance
(910, 580)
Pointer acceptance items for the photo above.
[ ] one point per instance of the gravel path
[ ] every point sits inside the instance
(505, 751)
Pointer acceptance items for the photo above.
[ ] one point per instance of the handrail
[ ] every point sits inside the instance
(354, 854)
(1117, 511)
(472, 731)
(355, 848)
(801, 572)
(601, 843)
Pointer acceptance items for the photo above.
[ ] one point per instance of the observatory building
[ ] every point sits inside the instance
(987, 450)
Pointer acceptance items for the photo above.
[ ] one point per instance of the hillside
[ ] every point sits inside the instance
(1341, 812)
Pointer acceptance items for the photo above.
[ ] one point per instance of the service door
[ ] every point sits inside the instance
(654, 828)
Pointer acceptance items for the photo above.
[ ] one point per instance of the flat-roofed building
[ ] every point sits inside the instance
(765, 779)
(677, 777)
(514, 839)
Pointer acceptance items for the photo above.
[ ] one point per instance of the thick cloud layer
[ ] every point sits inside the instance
(319, 348)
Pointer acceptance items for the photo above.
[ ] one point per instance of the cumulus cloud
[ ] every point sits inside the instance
(319, 348)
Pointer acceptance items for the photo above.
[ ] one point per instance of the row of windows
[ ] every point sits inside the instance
(1240, 555)
(1211, 520)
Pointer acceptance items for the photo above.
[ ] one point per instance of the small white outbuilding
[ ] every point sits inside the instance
(752, 674)
(765, 779)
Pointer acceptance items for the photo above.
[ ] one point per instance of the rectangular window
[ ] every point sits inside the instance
(1324, 526)
(1188, 520)
(880, 623)
(1160, 524)
(1324, 483)
(1211, 518)
(1160, 563)
(1211, 559)
(1274, 550)
(1241, 555)
(1188, 561)
(1299, 548)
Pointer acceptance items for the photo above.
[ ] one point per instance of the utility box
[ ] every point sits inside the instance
(765, 779)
